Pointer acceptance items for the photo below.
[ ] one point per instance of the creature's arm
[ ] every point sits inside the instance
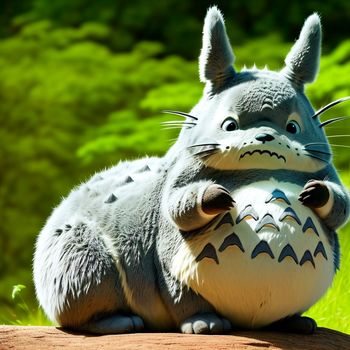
(193, 206)
(329, 199)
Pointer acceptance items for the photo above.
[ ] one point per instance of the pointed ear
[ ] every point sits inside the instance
(216, 58)
(302, 62)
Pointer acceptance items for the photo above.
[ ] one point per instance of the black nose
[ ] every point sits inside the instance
(264, 137)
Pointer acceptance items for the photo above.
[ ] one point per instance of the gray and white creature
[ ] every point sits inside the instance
(233, 228)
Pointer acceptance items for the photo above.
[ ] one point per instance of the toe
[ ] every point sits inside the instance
(308, 325)
(201, 327)
(138, 323)
(216, 325)
(227, 325)
(186, 327)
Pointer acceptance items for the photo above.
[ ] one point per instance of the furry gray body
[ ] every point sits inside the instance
(107, 252)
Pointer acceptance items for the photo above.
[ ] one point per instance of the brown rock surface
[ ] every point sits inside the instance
(14, 337)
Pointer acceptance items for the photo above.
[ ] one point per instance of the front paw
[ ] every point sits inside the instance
(315, 194)
(206, 323)
(216, 200)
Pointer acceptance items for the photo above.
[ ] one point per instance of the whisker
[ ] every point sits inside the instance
(344, 146)
(317, 151)
(210, 149)
(187, 126)
(323, 143)
(176, 127)
(177, 122)
(335, 127)
(333, 136)
(205, 153)
(316, 143)
(182, 114)
(330, 105)
(314, 156)
(204, 144)
(333, 120)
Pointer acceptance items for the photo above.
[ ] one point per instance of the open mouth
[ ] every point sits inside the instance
(271, 154)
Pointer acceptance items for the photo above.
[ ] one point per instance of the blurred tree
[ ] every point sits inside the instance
(10, 9)
(179, 23)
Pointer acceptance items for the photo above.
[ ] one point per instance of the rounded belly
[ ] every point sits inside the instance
(268, 258)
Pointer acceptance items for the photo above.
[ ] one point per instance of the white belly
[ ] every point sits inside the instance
(244, 280)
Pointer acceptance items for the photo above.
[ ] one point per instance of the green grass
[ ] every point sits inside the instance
(20, 313)
(333, 310)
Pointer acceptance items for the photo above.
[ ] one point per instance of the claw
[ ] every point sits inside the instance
(315, 194)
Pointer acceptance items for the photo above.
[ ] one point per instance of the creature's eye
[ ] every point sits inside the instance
(229, 124)
(293, 127)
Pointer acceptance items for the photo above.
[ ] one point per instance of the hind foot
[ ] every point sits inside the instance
(295, 324)
(116, 324)
(206, 323)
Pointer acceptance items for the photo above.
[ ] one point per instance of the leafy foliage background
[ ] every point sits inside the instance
(82, 84)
